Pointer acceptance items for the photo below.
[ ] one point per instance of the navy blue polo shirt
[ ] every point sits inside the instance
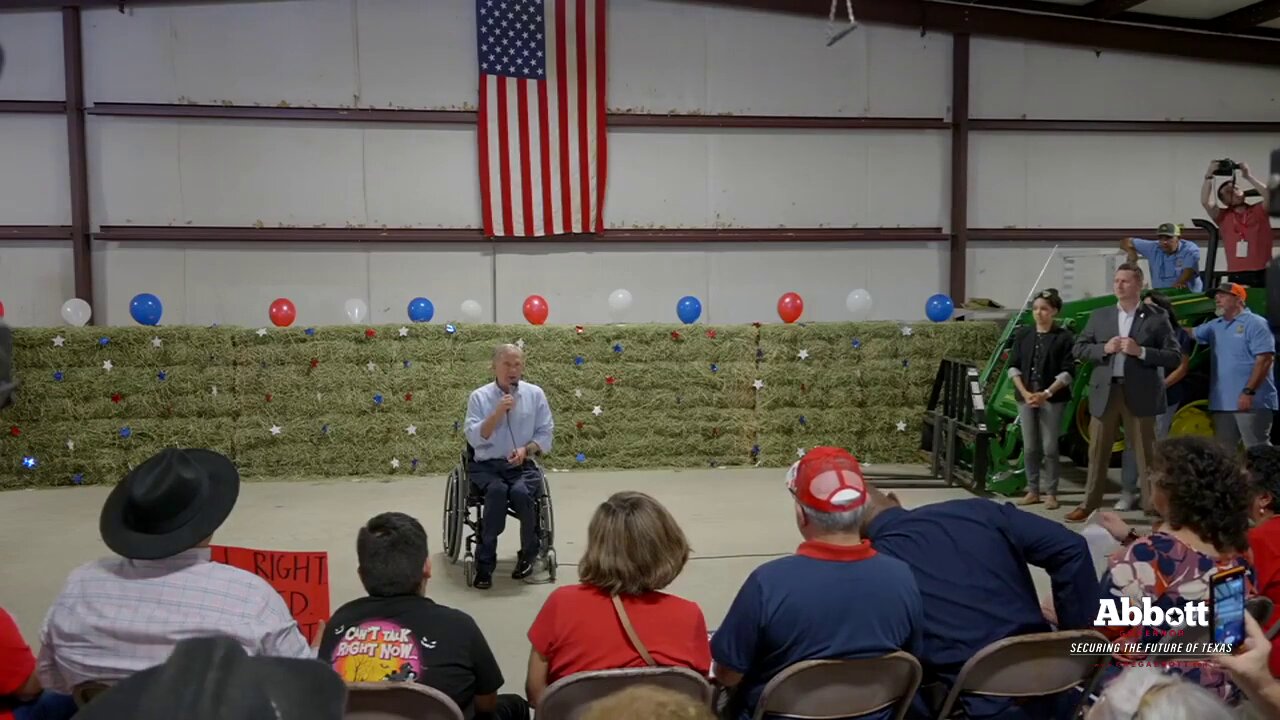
(970, 562)
(825, 602)
(1236, 344)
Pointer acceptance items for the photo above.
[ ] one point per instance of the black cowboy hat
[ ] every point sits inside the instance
(213, 678)
(169, 503)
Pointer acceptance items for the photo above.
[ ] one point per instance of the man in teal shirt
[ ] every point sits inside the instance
(1242, 393)
(1175, 262)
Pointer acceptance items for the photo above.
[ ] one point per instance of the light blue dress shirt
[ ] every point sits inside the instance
(528, 420)
(1166, 268)
(1236, 344)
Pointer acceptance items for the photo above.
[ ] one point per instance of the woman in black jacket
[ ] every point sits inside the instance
(1040, 365)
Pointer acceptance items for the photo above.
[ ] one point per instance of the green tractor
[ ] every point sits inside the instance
(970, 432)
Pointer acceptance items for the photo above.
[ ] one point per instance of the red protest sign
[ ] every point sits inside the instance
(301, 578)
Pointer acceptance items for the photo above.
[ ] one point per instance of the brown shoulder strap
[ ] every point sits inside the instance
(631, 632)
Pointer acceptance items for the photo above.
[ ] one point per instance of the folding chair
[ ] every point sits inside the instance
(1260, 607)
(398, 701)
(85, 692)
(1028, 666)
(822, 689)
(569, 697)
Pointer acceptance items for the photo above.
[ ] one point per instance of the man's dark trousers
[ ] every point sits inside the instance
(503, 485)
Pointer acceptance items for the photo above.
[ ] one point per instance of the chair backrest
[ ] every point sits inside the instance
(85, 692)
(1031, 665)
(398, 701)
(1260, 607)
(569, 697)
(819, 689)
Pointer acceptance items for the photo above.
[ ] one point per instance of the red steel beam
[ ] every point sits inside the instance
(1247, 17)
(959, 246)
(40, 107)
(1136, 126)
(1103, 236)
(77, 154)
(55, 233)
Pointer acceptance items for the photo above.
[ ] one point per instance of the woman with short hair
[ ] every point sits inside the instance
(634, 550)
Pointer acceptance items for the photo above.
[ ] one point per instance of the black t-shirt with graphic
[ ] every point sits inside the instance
(409, 638)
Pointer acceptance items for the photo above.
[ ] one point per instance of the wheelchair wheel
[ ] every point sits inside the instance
(548, 518)
(551, 564)
(469, 570)
(455, 510)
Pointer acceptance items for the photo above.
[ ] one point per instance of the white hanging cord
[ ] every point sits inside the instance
(833, 36)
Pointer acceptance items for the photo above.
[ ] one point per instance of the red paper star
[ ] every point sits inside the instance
(268, 397)
(609, 380)
(116, 398)
(370, 333)
(755, 324)
(14, 430)
(675, 335)
(711, 334)
(578, 329)
(715, 432)
(579, 424)
(408, 397)
(804, 388)
(315, 363)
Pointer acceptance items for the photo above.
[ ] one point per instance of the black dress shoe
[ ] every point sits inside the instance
(484, 580)
(524, 568)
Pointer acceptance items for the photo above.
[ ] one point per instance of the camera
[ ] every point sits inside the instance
(1226, 168)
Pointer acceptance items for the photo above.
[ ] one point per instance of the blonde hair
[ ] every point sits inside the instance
(647, 702)
(634, 546)
(1143, 693)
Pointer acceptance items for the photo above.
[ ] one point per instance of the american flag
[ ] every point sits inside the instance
(543, 151)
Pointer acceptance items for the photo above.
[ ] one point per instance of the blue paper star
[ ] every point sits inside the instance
(310, 332)
(578, 360)
(325, 429)
(377, 399)
(414, 463)
(617, 347)
(126, 432)
(856, 343)
(581, 457)
(759, 353)
(406, 363)
(450, 329)
(29, 462)
(905, 362)
(803, 421)
(755, 449)
(455, 426)
(161, 376)
(103, 341)
(715, 367)
(58, 376)
(78, 479)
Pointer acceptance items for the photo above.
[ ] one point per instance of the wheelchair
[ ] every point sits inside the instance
(464, 514)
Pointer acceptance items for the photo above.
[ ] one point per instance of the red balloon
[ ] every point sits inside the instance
(1, 309)
(790, 307)
(536, 309)
(282, 312)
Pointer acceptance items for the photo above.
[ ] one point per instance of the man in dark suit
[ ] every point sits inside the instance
(1131, 346)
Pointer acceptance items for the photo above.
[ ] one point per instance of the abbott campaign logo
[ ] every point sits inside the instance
(1183, 630)
(1123, 613)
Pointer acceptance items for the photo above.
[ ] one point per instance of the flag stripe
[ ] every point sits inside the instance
(526, 181)
(504, 154)
(548, 217)
(482, 135)
(562, 84)
(602, 140)
(584, 153)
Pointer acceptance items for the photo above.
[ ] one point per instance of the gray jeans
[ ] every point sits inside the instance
(1040, 428)
(1129, 466)
(1253, 427)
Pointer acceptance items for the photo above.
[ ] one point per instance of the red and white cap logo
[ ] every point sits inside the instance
(828, 479)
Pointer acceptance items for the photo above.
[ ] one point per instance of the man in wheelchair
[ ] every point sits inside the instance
(508, 423)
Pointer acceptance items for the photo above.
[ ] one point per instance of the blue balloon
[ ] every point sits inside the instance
(421, 310)
(146, 309)
(689, 309)
(939, 308)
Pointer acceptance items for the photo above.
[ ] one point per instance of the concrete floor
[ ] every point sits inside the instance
(735, 518)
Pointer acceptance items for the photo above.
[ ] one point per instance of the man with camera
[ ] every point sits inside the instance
(1245, 229)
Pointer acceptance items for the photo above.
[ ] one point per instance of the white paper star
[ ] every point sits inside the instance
(520, 343)
(577, 393)
(262, 332)
(412, 429)
(319, 396)
(276, 429)
(395, 463)
(906, 330)
(71, 444)
(597, 411)
(803, 354)
(215, 390)
(58, 340)
(758, 384)
(371, 366)
(156, 342)
(799, 452)
(404, 332)
(106, 365)
(902, 426)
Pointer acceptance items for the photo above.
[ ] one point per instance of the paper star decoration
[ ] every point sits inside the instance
(106, 365)
(395, 463)
(902, 426)
(276, 429)
(520, 343)
(214, 390)
(412, 429)
(71, 444)
(404, 332)
(58, 376)
(758, 384)
(803, 354)
(156, 342)
(58, 341)
(371, 366)
(906, 330)
(577, 393)
(262, 332)
(597, 411)
(799, 452)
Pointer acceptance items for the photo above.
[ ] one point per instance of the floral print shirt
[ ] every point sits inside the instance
(1164, 569)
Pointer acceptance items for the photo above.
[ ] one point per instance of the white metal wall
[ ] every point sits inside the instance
(664, 56)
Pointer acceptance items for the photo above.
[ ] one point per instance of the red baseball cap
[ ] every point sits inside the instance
(829, 480)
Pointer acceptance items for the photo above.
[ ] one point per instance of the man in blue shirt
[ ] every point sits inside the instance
(508, 422)
(1242, 392)
(970, 561)
(836, 598)
(1175, 262)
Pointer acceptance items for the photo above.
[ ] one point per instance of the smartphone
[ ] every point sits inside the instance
(1226, 607)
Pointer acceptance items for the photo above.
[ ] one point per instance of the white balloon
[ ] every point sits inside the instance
(619, 301)
(471, 311)
(76, 312)
(356, 310)
(859, 304)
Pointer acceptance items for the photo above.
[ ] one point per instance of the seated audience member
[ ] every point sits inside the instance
(117, 616)
(1143, 693)
(1202, 493)
(21, 697)
(835, 599)
(965, 552)
(634, 550)
(1250, 672)
(1263, 465)
(212, 678)
(648, 702)
(445, 648)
